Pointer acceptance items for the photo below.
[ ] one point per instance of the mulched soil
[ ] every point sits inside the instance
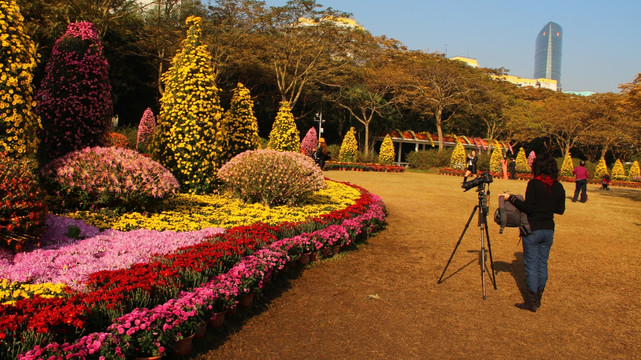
(382, 300)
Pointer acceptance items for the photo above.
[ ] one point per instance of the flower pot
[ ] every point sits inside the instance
(217, 320)
(150, 358)
(326, 251)
(313, 256)
(230, 312)
(183, 346)
(336, 249)
(202, 331)
(304, 258)
(246, 300)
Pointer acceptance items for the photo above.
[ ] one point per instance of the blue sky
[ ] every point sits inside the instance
(601, 39)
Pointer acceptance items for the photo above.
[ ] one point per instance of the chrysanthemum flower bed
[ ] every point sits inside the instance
(331, 165)
(141, 306)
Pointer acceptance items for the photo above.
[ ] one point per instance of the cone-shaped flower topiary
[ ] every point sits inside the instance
(310, 142)
(495, 158)
(18, 122)
(239, 130)
(145, 130)
(531, 158)
(284, 135)
(386, 155)
(618, 172)
(458, 159)
(349, 147)
(521, 162)
(184, 140)
(601, 169)
(74, 99)
(634, 172)
(568, 166)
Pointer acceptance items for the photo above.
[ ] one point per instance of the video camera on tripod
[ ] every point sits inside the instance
(485, 178)
(483, 209)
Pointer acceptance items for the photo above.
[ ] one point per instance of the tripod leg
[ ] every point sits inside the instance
(440, 280)
(482, 260)
(489, 250)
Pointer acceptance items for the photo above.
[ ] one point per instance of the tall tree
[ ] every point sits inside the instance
(435, 86)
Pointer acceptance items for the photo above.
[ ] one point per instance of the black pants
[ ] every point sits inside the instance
(582, 187)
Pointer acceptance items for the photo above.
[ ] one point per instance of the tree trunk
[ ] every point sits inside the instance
(439, 129)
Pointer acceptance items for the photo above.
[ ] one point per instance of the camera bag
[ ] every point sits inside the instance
(507, 215)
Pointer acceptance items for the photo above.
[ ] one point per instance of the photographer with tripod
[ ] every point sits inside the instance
(544, 197)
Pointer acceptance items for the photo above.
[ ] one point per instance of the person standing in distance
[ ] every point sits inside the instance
(581, 175)
(321, 154)
(544, 197)
(471, 166)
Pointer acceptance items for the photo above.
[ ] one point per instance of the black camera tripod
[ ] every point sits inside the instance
(483, 209)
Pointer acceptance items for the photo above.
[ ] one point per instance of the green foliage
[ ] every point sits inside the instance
(521, 162)
(426, 159)
(18, 122)
(386, 155)
(272, 177)
(634, 172)
(567, 166)
(618, 173)
(601, 169)
(284, 135)
(495, 159)
(239, 130)
(459, 157)
(349, 147)
(22, 209)
(185, 137)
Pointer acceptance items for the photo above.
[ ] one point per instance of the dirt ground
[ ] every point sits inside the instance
(382, 300)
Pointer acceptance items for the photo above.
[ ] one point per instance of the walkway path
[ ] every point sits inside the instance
(383, 301)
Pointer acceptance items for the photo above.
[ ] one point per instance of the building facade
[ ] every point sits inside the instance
(547, 52)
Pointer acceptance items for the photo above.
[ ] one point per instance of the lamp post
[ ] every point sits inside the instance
(319, 118)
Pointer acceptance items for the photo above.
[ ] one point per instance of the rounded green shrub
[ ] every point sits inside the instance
(108, 177)
(22, 207)
(271, 177)
(425, 159)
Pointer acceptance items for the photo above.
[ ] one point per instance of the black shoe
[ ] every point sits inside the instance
(529, 303)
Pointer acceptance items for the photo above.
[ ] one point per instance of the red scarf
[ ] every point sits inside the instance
(547, 181)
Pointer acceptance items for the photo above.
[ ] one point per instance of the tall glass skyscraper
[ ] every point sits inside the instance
(547, 52)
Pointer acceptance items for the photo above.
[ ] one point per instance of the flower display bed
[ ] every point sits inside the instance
(331, 165)
(141, 309)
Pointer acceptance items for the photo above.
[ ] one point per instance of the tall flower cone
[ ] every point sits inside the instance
(386, 155)
(349, 147)
(458, 159)
(239, 130)
(185, 137)
(568, 166)
(19, 123)
(284, 135)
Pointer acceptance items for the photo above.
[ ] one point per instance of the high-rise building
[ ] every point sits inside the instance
(547, 52)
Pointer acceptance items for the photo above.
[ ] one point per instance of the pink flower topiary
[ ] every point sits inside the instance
(145, 130)
(310, 142)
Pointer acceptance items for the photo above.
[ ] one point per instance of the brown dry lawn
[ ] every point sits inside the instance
(382, 300)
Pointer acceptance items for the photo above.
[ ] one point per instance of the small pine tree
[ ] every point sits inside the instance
(284, 135)
(601, 169)
(74, 99)
(18, 124)
(635, 171)
(310, 142)
(495, 158)
(618, 172)
(185, 139)
(521, 162)
(568, 166)
(349, 147)
(145, 130)
(239, 129)
(386, 154)
(531, 158)
(458, 159)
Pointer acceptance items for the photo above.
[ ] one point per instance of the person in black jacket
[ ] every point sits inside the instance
(321, 154)
(544, 197)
